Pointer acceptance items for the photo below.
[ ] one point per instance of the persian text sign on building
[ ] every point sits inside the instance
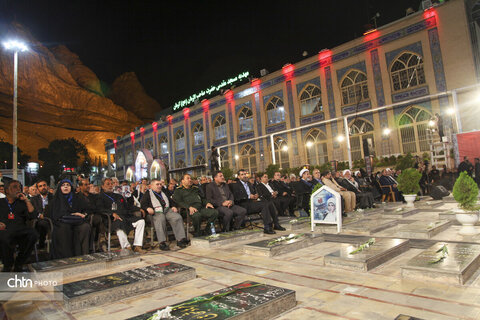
(326, 207)
(205, 93)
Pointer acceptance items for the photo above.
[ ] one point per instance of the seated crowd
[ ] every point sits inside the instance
(76, 217)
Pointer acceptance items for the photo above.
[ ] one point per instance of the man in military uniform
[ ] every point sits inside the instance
(188, 196)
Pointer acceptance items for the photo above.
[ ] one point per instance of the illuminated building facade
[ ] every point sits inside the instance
(385, 87)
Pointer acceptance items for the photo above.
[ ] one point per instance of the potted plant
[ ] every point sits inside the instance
(465, 192)
(409, 185)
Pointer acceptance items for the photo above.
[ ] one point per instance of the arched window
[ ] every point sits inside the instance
(275, 111)
(200, 161)
(354, 87)
(281, 152)
(220, 127)
(361, 136)
(224, 158)
(163, 145)
(248, 160)
(245, 120)
(119, 161)
(198, 134)
(316, 147)
(180, 164)
(310, 100)
(407, 71)
(129, 158)
(413, 126)
(149, 146)
(179, 140)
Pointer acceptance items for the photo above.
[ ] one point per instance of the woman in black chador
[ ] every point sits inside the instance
(70, 229)
(214, 160)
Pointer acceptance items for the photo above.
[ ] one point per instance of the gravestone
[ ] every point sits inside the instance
(398, 212)
(380, 252)
(369, 226)
(86, 263)
(247, 300)
(405, 317)
(226, 238)
(104, 289)
(423, 229)
(371, 211)
(273, 247)
(448, 215)
(430, 206)
(457, 266)
(297, 223)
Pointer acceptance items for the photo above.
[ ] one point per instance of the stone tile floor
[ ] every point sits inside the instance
(321, 292)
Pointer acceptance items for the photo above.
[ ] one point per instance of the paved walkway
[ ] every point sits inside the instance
(321, 292)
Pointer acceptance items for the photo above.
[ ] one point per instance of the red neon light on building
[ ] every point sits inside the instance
(229, 95)
(169, 119)
(205, 105)
(429, 13)
(142, 130)
(256, 84)
(115, 143)
(288, 71)
(186, 113)
(154, 126)
(371, 34)
(132, 136)
(325, 57)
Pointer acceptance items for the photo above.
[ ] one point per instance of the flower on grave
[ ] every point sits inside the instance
(360, 210)
(364, 246)
(444, 253)
(161, 314)
(294, 221)
(399, 209)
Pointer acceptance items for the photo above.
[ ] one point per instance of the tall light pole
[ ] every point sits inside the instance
(16, 46)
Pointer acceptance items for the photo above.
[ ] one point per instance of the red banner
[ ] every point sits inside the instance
(469, 145)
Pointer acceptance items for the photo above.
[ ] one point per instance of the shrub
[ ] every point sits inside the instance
(465, 192)
(408, 181)
(405, 162)
(228, 173)
(271, 169)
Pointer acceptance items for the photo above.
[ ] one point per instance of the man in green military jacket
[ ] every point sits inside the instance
(188, 196)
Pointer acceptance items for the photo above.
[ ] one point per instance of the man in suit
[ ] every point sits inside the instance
(40, 203)
(246, 196)
(316, 179)
(387, 180)
(219, 194)
(266, 192)
(160, 210)
(364, 199)
(284, 191)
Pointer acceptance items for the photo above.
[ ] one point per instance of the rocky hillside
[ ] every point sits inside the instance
(59, 97)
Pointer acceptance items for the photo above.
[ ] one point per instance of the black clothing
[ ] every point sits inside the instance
(253, 206)
(364, 198)
(465, 166)
(104, 205)
(42, 226)
(16, 233)
(217, 195)
(281, 187)
(68, 240)
(280, 203)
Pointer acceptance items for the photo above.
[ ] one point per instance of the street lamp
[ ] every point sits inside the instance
(340, 138)
(387, 131)
(16, 46)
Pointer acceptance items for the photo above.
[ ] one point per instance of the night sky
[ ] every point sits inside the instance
(177, 48)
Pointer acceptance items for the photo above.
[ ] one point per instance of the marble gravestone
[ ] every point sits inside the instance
(380, 252)
(225, 238)
(369, 226)
(86, 263)
(457, 266)
(423, 229)
(398, 212)
(266, 248)
(104, 289)
(245, 301)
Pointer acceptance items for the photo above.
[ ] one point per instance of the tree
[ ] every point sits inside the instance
(6, 154)
(62, 153)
